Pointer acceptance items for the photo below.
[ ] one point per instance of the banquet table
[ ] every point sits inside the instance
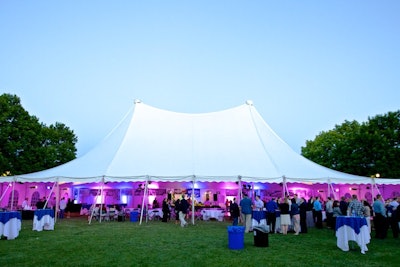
(259, 218)
(10, 224)
(350, 228)
(213, 213)
(153, 213)
(43, 219)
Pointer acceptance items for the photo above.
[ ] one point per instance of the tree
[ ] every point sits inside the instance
(362, 149)
(26, 145)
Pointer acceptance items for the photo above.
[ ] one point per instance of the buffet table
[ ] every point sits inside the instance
(154, 213)
(43, 220)
(352, 229)
(10, 224)
(259, 218)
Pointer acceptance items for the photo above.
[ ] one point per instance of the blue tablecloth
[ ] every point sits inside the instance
(8, 215)
(41, 213)
(259, 215)
(352, 229)
(354, 222)
(259, 218)
(43, 219)
(10, 224)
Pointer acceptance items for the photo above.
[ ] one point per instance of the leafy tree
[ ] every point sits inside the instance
(362, 149)
(26, 145)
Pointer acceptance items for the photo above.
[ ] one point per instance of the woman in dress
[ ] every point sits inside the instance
(285, 216)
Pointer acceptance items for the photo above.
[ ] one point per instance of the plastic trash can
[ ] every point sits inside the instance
(134, 216)
(261, 235)
(236, 237)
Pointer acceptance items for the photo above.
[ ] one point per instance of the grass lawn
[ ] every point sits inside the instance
(76, 243)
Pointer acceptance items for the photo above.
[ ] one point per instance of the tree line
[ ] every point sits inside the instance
(366, 149)
(27, 145)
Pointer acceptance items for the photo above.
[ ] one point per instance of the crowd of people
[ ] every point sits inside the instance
(293, 212)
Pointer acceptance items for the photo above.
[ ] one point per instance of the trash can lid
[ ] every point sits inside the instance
(236, 229)
(262, 228)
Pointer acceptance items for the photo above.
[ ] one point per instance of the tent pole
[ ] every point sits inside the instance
(5, 191)
(374, 185)
(101, 198)
(285, 188)
(144, 201)
(12, 195)
(193, 209)
(93, 206)
(57, 199)
(48, 197)
(240, 187)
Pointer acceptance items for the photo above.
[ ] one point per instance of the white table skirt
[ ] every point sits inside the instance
(11, 228)
(213, 213)
(46, 223)
(345, 233)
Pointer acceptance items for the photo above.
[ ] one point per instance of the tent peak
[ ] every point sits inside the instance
(249, 102)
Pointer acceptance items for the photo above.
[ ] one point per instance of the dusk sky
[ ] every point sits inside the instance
(306, 65)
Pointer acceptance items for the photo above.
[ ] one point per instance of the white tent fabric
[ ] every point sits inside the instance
(152, 144)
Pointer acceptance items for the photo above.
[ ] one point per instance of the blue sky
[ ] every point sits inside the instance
(306, 65)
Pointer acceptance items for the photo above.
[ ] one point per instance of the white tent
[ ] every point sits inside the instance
(151, 144)
(233, 145)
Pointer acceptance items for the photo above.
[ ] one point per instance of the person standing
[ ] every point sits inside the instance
(25, 204)
(329, 212)
(63, 205)
(393, 218)
(380, 217)
(318, 212)
(303, 207)
(295, 213)
(184, 206)
(165, 210)
(272, 206)
(246, 211)
(367, 214)
(258, 204)
(285, 215)
(343, 204)
(355, 208)
(235, 212)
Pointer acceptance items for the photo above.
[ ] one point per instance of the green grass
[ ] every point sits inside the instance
(76, 243)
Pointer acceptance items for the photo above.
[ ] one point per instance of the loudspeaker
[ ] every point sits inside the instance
(215, 197)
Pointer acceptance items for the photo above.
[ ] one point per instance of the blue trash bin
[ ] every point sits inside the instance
(134, 216)
(236, 237)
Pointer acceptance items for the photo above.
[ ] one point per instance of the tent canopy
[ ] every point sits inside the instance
(152, 144)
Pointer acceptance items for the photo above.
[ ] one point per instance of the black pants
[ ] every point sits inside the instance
(318, 223)
(271, 217)
(394, 225)
(380, 224)
(303, 223)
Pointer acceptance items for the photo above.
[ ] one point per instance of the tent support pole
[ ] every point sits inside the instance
(48, 197)
(57, 193)
(93, 206)
(330, 188)
(144, 201)
(285, 188)
(193, 209)
(101, 198)
(375, 186)
(5, 191)
(12, 195)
